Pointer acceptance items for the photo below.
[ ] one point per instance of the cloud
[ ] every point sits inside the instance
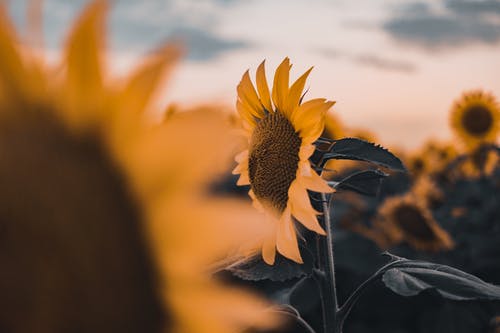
(142, 25)
(139, 26)
(458, 23)
(370, 60)
(202, 45)
(387, 64)
(468, 7)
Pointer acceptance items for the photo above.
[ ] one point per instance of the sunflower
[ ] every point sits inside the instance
(334, 129)
(431, 158)
(475, 118)
(363, 134)
(479, 163)
(276, 163)
(427, 190)
(406, 218)
(98, 231)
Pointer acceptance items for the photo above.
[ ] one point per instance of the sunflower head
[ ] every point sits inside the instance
(407, 219)
(280, 130)
(475, 118)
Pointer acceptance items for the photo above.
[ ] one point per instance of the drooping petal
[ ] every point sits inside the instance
(306, 151)
(269, 250)
(302, 209)
(280, 85)
(286, 238)
(315, 183)
(248, 96)
(296, 91)
(263, 88)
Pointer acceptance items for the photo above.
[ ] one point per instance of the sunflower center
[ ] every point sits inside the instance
(413, 222)
(273, 159)
(477, 120)
(72, 249)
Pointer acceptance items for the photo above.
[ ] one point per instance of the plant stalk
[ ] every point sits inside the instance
(326, 281)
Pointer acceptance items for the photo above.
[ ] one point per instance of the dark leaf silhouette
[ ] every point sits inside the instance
(409, 278)
(283, 269)
(365, 182)
(360, 150)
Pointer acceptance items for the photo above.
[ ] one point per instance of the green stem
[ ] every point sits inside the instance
(326, 279)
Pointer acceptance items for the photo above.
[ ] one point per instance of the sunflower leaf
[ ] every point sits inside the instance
(409, 278)
(365, 182)
(360, 150)
(255, 269)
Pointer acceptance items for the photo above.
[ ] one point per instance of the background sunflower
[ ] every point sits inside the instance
(475, 118)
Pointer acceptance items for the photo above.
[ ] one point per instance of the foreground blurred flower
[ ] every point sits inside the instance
(475, 118)
(276, 164)
(407, 218)
(104, 226)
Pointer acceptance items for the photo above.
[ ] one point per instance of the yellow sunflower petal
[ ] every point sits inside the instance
(302, 208)
(244, 179)
(306, 151)
(246, 114)
(249, 97)
(146, 80)
(263, 88)
(280, 86)
(243, 156)
(269, 251)
(296, 91)
(286, 238)
(11, 67)
(315, 183)
(239, 169)
(83, 52)
(309, 119)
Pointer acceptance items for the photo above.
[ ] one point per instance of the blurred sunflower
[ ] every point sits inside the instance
(431, 158)
(479, 163)
(334, 129)
(406, 218)
(104, 226)
(475, 118)
(363, 134)
(427, 190)
(276, 164)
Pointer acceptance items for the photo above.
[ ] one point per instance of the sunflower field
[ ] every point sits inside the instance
(119, 213)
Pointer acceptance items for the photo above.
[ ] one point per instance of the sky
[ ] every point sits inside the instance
(394, 67)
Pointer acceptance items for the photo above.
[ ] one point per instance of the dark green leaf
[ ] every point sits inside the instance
(255, 269)
(360, 150)
(365, 182)
(409, 278)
